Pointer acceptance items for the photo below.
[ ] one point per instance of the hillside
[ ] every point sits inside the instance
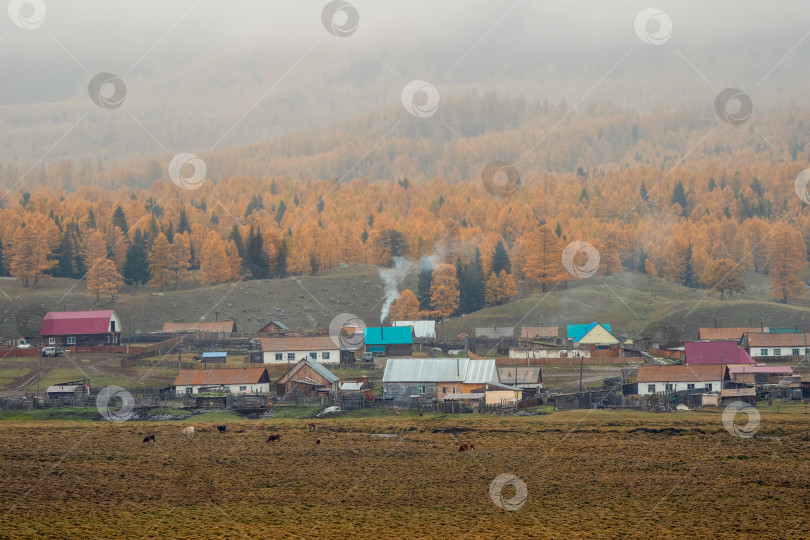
(635, 304)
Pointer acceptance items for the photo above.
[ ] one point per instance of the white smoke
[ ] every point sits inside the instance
(391, 278)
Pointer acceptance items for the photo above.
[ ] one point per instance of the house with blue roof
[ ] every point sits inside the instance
(593, 335)
(392, 341)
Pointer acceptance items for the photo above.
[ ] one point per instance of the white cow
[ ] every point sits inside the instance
(188, 431)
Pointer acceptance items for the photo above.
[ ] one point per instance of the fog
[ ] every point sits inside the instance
(206, 74)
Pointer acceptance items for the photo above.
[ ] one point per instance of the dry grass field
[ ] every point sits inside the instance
(587, 473)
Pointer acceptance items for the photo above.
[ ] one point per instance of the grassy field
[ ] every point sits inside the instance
(599, 474)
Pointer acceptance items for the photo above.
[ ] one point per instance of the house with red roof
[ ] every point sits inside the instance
(716, 352)
(81, 328)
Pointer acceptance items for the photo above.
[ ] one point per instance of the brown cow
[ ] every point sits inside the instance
(464, 447)
(311, 426)
(149, 438)
(273, 437)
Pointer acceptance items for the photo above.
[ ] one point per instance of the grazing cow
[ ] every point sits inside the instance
(222, 429)
(149, 438)
(273, 437)
(188, 431)
(463, 447)
(472, 446)
(311, 426)
(317, 441)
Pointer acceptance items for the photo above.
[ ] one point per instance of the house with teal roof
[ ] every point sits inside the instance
(391, 341)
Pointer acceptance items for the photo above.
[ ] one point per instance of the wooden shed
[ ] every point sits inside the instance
(307, 377)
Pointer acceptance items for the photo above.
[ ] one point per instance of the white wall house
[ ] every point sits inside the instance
(667, 379)
(289, 350)
(227, 380)
(518, 353)
(760, 344)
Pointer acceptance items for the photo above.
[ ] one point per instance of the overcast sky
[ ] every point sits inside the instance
(222, 58)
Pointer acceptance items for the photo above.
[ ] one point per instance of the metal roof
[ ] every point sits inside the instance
(215, 326)
(758, 339)
(738, 392)
(576, 331)
(421, 329)
(776, 370)
(699, 373)
(321, 370)
(726, 334)
(457, 397)
(495, 332)
(61, 389)
(195, 377)
(390, 335)
(351, 387)
(716, 352)
(519, 374)
(61, 323)
(440, 370)
(532, 332)
(214, 354)
(313, 343)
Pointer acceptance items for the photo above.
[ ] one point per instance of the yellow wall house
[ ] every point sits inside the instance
(598, 335)
(499, 394)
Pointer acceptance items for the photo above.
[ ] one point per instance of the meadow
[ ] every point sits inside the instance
(603, 474)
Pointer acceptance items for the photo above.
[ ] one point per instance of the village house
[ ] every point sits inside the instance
(289, 350)
(226, 380)
(517, 353)
(389, 341)
(307, 378)
(726, 334)
(499, 394)
(495, 332)
(669, 379)
(715, 352)
(758, 375)
(776, 345)
(81, 328)
(273, 327)
(595, 336)
(432, 379)
(539, 332)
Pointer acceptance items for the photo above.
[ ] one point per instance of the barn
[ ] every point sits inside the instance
(390, 341)
(81, 328)
(307, 378)
(226, 380)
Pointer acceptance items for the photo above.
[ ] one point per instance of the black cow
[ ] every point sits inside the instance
(273, 437)
(222, 429)
(149, 438)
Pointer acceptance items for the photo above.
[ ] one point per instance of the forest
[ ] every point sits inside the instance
(696, 203)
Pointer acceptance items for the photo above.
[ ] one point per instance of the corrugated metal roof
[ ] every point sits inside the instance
(214, 354)
(576, 331)
(726, 334)
(519, 374)
(457, 397)
(313, 343)
(532, 332)
(495, 332)
(421, 329)
(758, 339)
(390, 335)
(776, 370)
(61, 323)
(440, 370)
(215, 326)
(351, 387)
(716, 352)
(61, 389)
(699, 373)
(193, 377)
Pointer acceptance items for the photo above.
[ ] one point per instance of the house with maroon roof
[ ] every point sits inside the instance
(81, 328)
(716, 352)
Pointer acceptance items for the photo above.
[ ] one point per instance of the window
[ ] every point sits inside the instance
(454, 389)
(444, 389)
(709, 386)
(313, 355)
(807, 351)
(668, 387)
(71, 341)
(242, 388)
(422, 389)
(651, 388)
(795, 352)
(325, 355)
(291, 357)
(763, 352)
(777, 352)
(51, 341)
(690, 386)
(279, 357)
